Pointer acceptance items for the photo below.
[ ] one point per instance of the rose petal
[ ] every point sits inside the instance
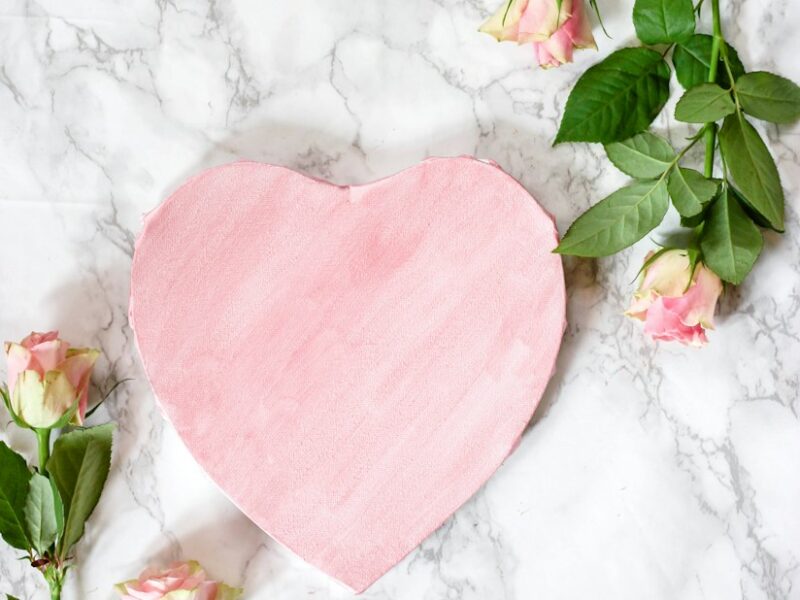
(579, 28)
(639, 305)
(559, 46)
(226, 592)
(698, 304)
(664, 324)
(504, 24)
(78, 368)
(542, 18)
(206, 591)
(40, 402)
(668, 275)
(136, 594)
(49, 354)
(181, 581)
(19, 359)
(35, 338)
(544, 58)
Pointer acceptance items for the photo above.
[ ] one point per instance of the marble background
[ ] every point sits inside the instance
(650, 471)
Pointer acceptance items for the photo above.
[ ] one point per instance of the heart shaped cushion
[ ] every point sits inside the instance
(349, 364)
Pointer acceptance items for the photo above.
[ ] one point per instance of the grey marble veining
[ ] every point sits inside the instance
(650, 471)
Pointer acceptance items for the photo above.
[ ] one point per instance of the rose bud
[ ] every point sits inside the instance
(553, 32)
(676, 297)
(47, 379)
(181, 581)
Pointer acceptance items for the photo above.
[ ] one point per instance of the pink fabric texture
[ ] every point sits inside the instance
(349, 364)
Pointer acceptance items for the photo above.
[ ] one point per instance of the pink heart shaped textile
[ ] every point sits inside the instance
(349, 364)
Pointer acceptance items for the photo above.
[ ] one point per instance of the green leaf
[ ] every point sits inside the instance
(690, 191)
(769, 97)
(593, 4)
(692, 222)
(752, 169)
(58, 507)
(644, 156)
(704, 103)
(40, 514)
(617, 98)
(617, 221)
(10, 597)
(692, 60)
(14, 478)
(754, 216)
(731, 242)
(663, 21)
(79, 466)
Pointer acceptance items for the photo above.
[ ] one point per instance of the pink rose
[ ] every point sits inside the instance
(46, 378)
(182, 581)
(553, 32)
(676, 297)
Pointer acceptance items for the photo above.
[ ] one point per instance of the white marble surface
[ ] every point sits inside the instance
(654, 472)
